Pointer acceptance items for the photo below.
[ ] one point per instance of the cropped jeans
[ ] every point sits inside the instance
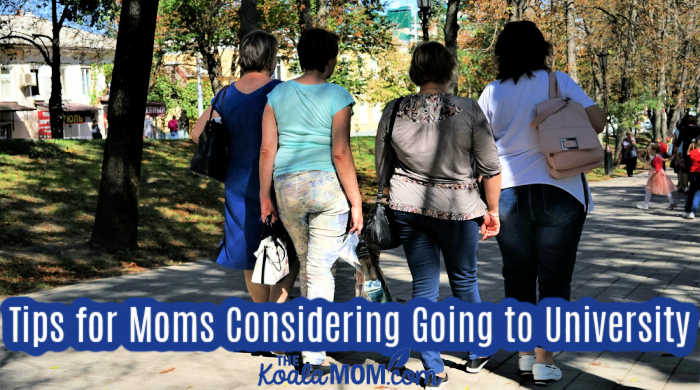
(314, 210)
(423, 238)
(540, 230)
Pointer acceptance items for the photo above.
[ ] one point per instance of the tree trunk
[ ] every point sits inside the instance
(660, 121)
(323, 9)
(212, 60)
(305, 18)
(570, 12)
(55, 100)
(628, 54)
(248, 15)
(116, 219)
(451, 31)
(516, 9)
(686, 56)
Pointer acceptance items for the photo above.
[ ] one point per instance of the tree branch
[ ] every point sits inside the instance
(33, 42)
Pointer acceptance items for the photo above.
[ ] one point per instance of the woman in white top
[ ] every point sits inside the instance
(541, 217)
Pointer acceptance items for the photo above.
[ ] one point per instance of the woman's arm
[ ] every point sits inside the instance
(485, 154)
(492, 224)
(268, 150)
(202, 122)
(345, 166)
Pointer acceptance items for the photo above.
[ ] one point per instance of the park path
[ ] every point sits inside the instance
(625, 255)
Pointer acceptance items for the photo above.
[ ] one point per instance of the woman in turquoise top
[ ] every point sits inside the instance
(240, 107)
(306, 149)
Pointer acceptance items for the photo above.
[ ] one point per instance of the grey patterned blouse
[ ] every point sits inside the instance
(439, 140)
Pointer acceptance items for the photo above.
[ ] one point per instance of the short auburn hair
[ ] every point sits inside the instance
(258, 52)
(431, 62)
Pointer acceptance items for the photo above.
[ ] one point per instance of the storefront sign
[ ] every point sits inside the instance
(44, 125)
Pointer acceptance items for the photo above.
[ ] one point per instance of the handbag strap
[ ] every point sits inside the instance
(216, 100)
(387, 142)
(553, 85)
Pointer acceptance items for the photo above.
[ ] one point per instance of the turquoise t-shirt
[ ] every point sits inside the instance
(304, 115)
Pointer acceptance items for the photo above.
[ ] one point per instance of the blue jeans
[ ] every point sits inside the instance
(423, 239)
(540, 230)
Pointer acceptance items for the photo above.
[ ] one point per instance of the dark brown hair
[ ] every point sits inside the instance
(431, 62)
(315, 48)
(520, 50)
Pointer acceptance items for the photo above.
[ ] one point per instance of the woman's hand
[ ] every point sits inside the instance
(267, 208)
(356, 218)
(491, 226)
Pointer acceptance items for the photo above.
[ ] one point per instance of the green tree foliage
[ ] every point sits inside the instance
(198, 27)
(176, 94)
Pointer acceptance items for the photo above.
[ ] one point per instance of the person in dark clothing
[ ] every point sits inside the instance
(628, 154)
(688, 130)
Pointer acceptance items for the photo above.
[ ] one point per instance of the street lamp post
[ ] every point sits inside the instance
(603, 56)
(424, 11)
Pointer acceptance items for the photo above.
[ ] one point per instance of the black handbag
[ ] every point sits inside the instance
(378, 231)
(211, 157)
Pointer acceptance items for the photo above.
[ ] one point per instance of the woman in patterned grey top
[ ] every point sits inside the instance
(440, 145)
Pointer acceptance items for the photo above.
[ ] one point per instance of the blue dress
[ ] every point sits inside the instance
(242, 117)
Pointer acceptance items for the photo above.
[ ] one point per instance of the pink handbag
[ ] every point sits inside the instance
(566, 135)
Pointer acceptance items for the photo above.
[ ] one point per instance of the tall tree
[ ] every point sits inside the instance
(116, 218)
(305, 14)
(203, 26)
(571, 31)
(88, 12)
(686, 59)
(516, 9)
(451, 31)
(248, 15)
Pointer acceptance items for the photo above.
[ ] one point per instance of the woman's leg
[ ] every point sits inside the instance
(326, 235)
(516, 241)
(516, 244)
(459, 241)
(423, 257)
(559, 223)
(258, 292)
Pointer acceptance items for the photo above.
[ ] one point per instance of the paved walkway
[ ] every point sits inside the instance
(625, 255)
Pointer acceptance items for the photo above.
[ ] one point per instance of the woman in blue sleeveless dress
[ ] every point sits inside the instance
(240, 107)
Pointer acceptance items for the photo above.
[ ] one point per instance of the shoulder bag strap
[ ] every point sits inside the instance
(387, 143)
(553, 85)
(216, 100)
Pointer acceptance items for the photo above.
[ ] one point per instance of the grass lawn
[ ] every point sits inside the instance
(48, 195)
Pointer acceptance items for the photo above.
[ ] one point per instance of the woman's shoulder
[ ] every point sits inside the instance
(337, 89)
(466, 105)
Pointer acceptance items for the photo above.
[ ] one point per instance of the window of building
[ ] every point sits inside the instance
(34, 89)
(6, 125)
(5, 83)
(85, 73)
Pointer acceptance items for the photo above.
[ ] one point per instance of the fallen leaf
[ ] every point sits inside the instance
(53, 367)
(595, 364)
(168, 370)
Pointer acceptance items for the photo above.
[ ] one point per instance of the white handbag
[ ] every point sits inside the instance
(271, 260)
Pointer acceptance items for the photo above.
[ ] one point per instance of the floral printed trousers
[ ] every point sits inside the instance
(314, 209)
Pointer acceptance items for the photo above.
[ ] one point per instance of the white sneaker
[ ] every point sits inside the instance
(544, 374)
(643, 206)
(690, 215)
(525, 363)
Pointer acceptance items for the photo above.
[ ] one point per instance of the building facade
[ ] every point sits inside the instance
(25, 78)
